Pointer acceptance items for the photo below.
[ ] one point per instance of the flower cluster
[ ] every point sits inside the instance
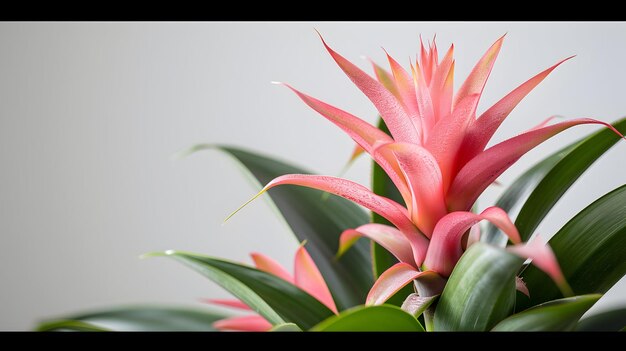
(437, 158)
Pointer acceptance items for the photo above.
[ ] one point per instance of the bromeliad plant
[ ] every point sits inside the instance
(430, 264)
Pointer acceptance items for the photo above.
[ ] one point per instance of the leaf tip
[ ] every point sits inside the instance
(186, 152)
(244, 205)
(157, 254)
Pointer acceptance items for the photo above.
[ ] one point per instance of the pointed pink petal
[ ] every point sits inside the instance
(423, 176)
(388, 237)
(501, 219)
(363, 133)
(475, 82)
(483, 129)
(483, 169)
(406, 89)
(448, 134)
(391, 281)
(228, 303)
(424, 101)
(521, 286)
(243, 323)
(544, 123)
(434, 54)
(386, 79)
(543, 257)
(308, 278)
(445, 247)
(269, 265)
(388, 106)
(389, 209)
(358, 150)
(427, 64)
(441, 87)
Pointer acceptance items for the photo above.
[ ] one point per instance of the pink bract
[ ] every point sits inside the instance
(306, 276)
(436, 157)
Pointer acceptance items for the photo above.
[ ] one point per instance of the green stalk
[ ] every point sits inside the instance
(429, 320)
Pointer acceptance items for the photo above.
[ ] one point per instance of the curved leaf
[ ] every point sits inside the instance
(137, 318)
(69, 325)
(611, 320)
(480, 291)
(286, 327)
(519, 190)
(557, 315)
(590, 249)
(371, 318)
(273, 298)
(483, 170)
(416, 305)
(318, 220)
(561, 176)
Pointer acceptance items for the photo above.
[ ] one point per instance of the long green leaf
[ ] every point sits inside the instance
(480, 291)
(275, 299)
(611, 320)
(286, 327)
(561, 177)
(69, 325)
(557, 315)
(318, 220)
(137, 318)
(371, 318)
(519, 190)
(590, 249)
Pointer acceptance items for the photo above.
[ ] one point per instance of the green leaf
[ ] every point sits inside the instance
(318, 220)
(590, 250)
(68, 325)
(371, 318)
(519, 190)
(416, 305)
(286, 327)
(557, 315)
(137, 318)
(275, 299)
(480, 291)
(611, 320)
(561, 176)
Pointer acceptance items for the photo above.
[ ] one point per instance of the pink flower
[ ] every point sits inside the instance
(306, 276)
(436, 157)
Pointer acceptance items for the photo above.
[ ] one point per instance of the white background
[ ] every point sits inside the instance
(91, 113)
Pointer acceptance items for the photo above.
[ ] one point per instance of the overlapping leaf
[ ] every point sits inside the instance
(318, 220)
(273, 298)
(562, 175)
(611, 320)
(371, 318)
(137, 318)
(590, 249)
(480, 291)
(557, 315)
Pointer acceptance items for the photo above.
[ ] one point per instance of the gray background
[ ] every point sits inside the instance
(91, 114)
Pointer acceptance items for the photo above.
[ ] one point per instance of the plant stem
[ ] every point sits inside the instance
(429, 319)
